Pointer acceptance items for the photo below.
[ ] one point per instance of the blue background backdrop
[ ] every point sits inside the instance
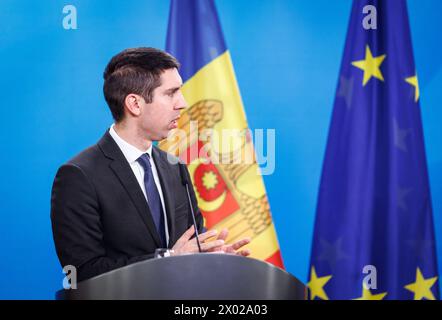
(286, 56)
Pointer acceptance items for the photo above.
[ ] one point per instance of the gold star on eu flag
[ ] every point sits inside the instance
(413, 81)
(316, 285)
(370, 65)
(367, 295)
(422, 287)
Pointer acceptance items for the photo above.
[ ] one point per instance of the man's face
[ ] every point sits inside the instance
(161, 115)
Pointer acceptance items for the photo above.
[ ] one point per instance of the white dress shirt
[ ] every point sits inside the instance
(131, 154)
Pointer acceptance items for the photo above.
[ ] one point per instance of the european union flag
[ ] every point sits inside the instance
(374, 232)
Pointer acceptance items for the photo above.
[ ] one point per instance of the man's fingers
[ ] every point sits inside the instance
(244, 253)
(223, 234)
(207, 235)
(189, 232)
(240, 243)
(185, 237)
(212, 244)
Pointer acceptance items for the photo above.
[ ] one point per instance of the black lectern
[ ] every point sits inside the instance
(204, 276)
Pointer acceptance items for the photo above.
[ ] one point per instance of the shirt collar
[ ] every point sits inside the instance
(130, 152)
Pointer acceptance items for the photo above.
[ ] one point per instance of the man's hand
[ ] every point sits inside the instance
(186, 245)
(232, 248)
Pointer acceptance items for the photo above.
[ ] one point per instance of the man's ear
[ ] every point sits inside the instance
(131, 104)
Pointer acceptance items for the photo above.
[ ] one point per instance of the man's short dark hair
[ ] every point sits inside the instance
(136, 70)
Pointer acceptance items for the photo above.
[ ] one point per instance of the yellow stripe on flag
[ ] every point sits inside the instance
(217, 81)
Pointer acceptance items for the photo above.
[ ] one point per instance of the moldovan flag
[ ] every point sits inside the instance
(229, 188)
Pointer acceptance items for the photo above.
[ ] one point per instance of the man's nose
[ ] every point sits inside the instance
(181, 102)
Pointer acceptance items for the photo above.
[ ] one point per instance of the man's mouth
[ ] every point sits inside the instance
(174, 123)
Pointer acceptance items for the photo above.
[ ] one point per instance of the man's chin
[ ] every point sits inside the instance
(162, 136)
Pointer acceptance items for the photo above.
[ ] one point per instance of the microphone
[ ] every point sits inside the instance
(185, 182)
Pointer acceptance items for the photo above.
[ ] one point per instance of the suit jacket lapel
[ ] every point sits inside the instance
(166, 180)
(123, 171)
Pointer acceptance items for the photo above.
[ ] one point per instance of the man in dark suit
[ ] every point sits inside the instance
(119, 200)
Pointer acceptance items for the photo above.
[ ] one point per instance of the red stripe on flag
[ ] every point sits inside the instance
(276, 259)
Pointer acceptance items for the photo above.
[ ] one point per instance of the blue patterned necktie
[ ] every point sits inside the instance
(153, 197)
